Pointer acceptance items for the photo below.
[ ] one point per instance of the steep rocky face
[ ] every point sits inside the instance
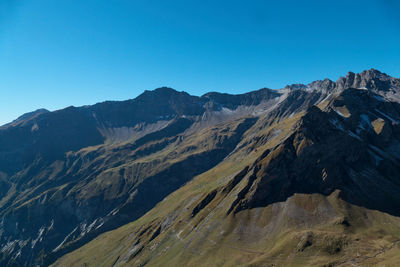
(69, 175)
(63, 182)
(149, 107)
(328, 152)
(370, 79)
(47, 136)
(322, 192)
(88, 192)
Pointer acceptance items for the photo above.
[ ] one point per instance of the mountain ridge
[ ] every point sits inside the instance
(351, 80)
(104, 165)
(253, 216)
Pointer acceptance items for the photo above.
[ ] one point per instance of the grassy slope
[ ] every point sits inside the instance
(255, 238)
(104, 174)
(304, 230)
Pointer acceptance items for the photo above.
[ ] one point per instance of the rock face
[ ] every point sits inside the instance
(371, 79)
(327, 152)
(68, 176)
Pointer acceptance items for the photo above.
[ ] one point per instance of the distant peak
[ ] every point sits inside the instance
(32, 114)
(374, 73)
(159, 92)
(165, 89)
(296, 86)
(369, 79)
(372, 70)
(27, 117)
(367, 74)
(162, 91)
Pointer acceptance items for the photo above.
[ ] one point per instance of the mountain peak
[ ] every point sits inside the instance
(165, 89)
(162, 92)
(374, 74)
(296, 86)
(374, 71)
(371, 79)
(32, 114)
(26, 117)
(105, 165)
(325, 85)
(367, 75)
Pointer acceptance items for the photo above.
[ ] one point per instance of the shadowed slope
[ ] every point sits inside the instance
(69, 175)
(305, 200)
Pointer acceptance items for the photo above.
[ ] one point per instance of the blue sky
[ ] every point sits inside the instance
(68, 52)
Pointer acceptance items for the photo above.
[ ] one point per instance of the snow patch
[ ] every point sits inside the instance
(51, 225)
(65, 239)
(9, 246)
(39, 237)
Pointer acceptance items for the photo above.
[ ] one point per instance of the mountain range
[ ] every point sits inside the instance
(299, 176)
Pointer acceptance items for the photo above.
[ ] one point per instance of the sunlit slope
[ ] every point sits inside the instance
(318, 188)
(78, 172)
(304, 230)
(70, 175)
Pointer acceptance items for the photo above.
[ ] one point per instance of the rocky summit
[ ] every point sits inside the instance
(300, 176)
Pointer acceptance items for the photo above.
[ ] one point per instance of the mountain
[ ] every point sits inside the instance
(25, 118)
(307, 174)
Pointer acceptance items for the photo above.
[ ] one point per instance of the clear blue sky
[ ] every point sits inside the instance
(56, 53)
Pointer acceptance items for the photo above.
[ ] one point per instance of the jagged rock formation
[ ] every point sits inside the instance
(67, 176)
